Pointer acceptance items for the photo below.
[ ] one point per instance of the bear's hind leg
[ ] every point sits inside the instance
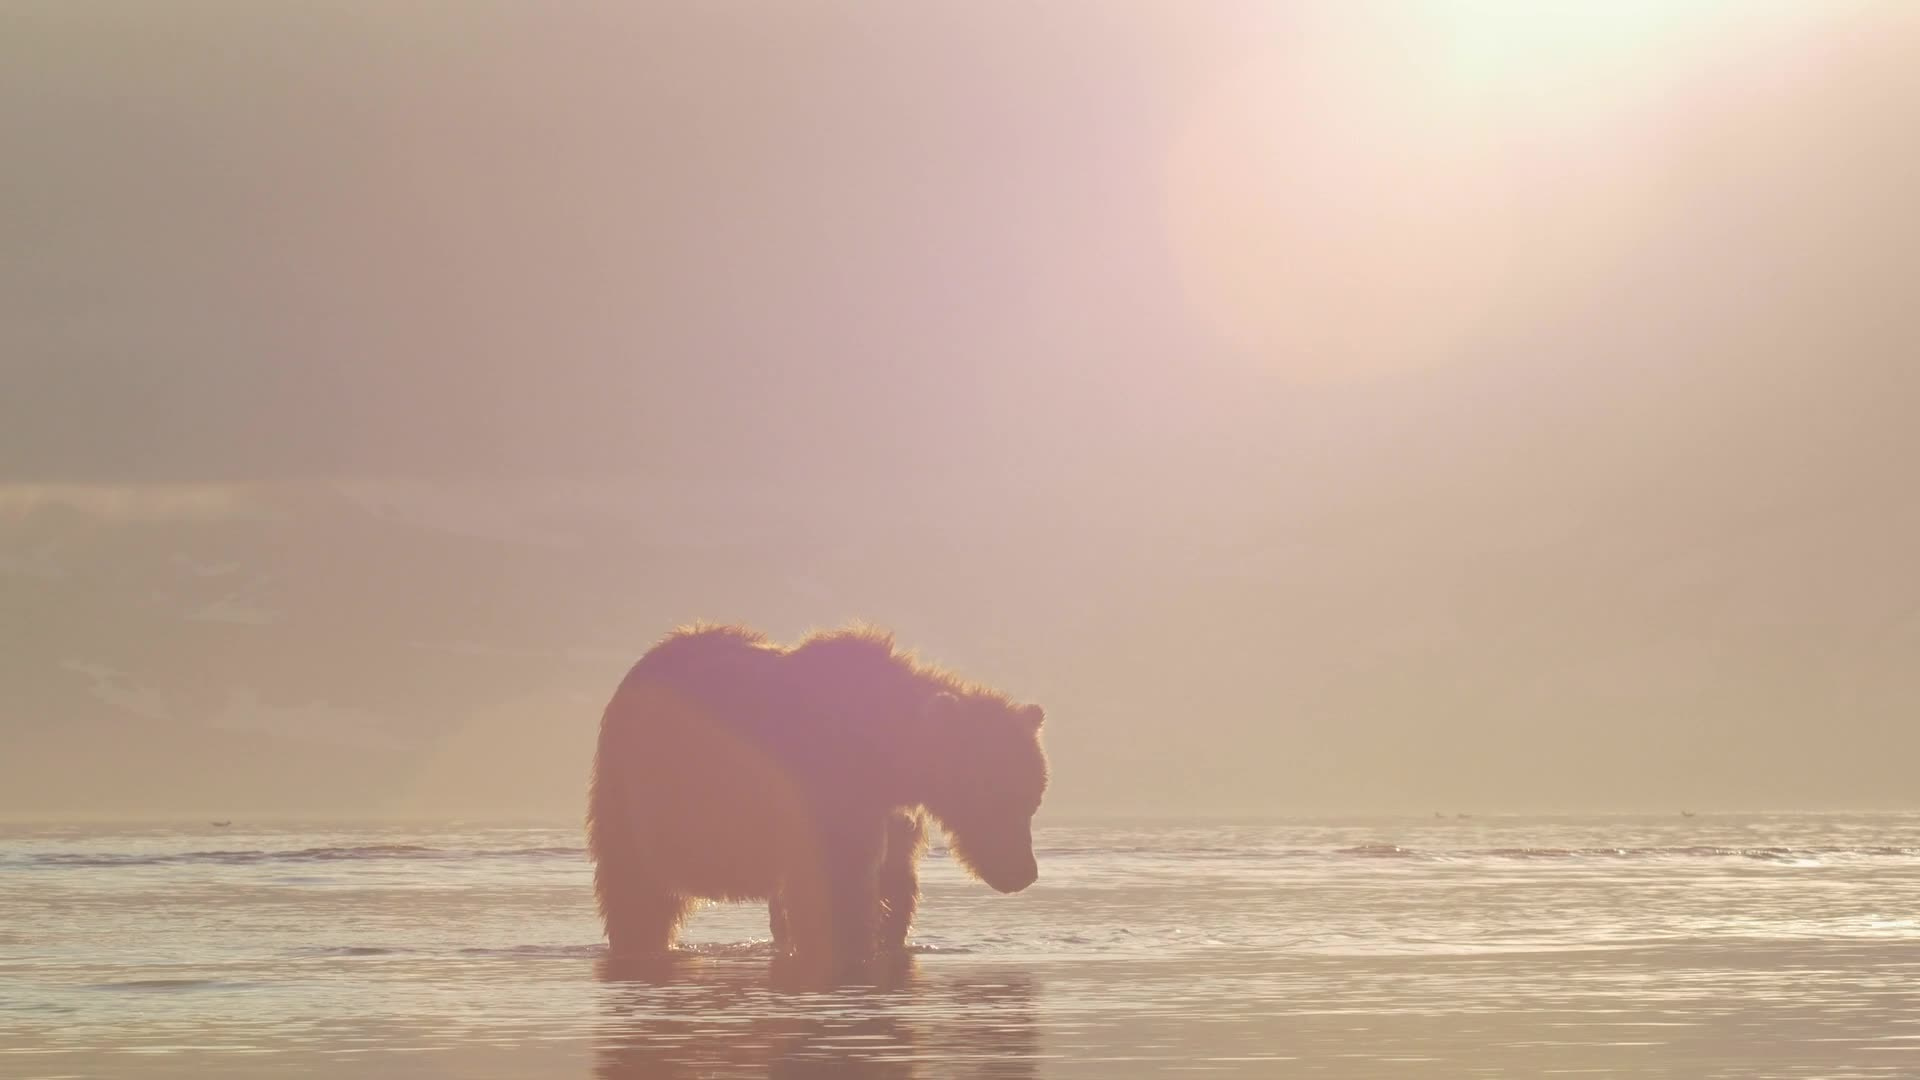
(641, 914)
(642, 917)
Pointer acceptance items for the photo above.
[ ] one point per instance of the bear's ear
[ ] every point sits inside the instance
(1033, 715)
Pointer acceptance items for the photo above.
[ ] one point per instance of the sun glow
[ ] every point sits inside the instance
(1370, 187)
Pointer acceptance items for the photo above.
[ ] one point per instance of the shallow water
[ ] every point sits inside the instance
(1782, 946)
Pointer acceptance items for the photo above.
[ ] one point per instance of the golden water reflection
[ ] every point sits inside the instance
(699, 1016)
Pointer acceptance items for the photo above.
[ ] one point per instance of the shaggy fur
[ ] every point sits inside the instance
(732, 768)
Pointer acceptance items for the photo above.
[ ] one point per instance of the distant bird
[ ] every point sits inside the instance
(219, 824)
(1686, 813)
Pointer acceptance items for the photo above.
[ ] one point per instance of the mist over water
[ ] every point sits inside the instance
(1686, 947)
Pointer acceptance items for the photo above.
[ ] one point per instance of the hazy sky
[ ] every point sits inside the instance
(1319, 406)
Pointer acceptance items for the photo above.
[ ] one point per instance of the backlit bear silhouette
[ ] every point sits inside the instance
(733, 768)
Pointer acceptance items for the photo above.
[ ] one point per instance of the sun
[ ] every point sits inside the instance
(1367, 192)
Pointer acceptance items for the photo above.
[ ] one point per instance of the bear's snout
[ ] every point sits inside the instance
(1020, 879)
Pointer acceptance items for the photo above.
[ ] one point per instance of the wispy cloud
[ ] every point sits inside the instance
(129, 502)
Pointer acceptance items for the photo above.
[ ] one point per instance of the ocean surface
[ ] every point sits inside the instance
(1712, 946)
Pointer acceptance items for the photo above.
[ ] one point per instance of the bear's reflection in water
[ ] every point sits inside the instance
(725, 1017)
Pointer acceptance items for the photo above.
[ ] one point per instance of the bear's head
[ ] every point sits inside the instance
(993, 775)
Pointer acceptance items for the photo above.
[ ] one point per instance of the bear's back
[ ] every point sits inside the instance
(728, 672)
(815, 707)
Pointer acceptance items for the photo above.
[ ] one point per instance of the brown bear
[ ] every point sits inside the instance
(733, 768)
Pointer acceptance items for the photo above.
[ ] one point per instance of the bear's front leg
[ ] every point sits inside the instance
(899, 879)
(778, 922)
(832, 902)
(856, 911)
